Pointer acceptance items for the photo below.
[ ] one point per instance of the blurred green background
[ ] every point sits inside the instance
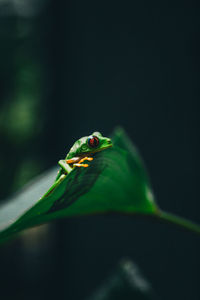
(68, 68)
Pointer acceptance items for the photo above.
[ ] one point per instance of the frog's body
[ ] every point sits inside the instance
(82, 150)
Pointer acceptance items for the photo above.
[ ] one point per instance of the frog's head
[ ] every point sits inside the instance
(89, 145)
(96, 142)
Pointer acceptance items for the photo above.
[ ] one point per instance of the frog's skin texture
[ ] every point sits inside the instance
(82, 151)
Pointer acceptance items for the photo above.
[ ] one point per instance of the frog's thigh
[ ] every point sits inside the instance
(64, 166)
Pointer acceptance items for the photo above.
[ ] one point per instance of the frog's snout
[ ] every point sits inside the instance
(109, 141)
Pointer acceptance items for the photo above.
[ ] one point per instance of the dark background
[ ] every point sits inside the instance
(69, 68)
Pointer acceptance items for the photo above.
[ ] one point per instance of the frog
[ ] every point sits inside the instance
(82, 151)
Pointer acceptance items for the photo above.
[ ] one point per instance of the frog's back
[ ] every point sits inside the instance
(76, 149)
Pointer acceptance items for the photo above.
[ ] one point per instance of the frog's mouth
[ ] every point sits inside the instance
(86, 154)
(98, 150)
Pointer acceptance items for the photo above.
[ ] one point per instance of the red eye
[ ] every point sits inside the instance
(93, 141)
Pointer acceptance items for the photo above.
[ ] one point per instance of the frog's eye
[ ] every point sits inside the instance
(93, 141)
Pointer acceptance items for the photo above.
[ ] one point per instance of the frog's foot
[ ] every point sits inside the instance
(85, 158)
(81, 165)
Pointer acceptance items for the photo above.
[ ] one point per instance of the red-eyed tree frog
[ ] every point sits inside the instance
(82, 151)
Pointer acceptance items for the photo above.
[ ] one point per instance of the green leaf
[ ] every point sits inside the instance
(115, 182)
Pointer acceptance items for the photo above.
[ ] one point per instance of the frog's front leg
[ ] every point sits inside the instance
(79, 164)
(73, 160)
(85, 158)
